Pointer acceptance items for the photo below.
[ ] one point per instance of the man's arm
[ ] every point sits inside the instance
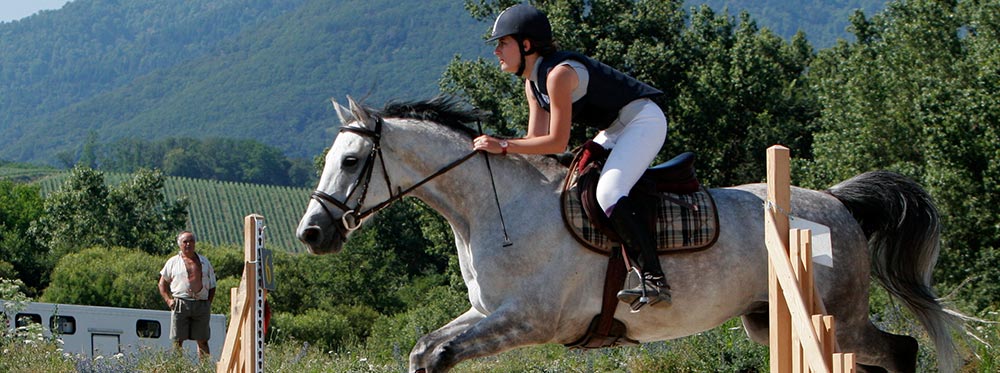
(164, 286)
(211, 295)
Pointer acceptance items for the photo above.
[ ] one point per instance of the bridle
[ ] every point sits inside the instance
(351, 219)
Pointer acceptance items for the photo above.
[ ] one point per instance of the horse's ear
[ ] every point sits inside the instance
(360, 113)
(343, 113)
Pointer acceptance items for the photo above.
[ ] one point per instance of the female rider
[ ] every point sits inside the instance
(566, 87)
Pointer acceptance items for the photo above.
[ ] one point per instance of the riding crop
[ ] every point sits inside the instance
(506, 239)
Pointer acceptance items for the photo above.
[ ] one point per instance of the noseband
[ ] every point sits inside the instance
(351, 219)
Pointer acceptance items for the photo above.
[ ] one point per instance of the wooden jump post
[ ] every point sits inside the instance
(244, 348)
(801, 339)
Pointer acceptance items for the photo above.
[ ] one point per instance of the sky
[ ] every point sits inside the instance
(16, 9)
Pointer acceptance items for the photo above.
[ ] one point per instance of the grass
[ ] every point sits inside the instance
(724, 349)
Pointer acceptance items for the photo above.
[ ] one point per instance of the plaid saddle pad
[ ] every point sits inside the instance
(684, 221)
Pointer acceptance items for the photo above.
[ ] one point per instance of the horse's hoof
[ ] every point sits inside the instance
(421, 370)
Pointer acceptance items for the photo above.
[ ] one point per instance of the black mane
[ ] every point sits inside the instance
(443, 110)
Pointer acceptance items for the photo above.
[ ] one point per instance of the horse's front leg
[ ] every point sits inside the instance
(430, 341)
(498, 332)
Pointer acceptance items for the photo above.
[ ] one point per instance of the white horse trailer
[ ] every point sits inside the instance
(105, 331)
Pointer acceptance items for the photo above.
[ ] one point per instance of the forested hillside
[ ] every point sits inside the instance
(822, 21)
(258, 69)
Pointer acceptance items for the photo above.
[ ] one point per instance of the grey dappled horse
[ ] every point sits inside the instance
(546, 287)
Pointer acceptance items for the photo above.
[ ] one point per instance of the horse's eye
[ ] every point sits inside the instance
(350, 162)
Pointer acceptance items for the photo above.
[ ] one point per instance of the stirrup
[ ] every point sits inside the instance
(647, 291)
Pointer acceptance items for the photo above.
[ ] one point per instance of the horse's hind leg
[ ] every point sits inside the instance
(875, 350)
(755, 323)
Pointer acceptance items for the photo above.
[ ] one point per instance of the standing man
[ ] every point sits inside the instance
(187, 284)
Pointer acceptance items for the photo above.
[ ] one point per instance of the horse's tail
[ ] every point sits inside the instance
(903, 230)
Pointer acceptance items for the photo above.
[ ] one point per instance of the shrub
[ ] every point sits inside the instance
(400, 332)
(101, 276)
(329, 330)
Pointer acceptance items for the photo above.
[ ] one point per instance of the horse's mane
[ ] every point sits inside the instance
(443, 110)
(449, 113)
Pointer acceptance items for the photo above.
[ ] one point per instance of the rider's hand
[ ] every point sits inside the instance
(487, 143)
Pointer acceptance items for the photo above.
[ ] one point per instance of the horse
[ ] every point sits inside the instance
(544, 287)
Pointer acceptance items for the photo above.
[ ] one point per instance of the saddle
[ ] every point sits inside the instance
(682, 211)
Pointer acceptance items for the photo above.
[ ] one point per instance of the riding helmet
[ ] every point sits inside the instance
(522, 20)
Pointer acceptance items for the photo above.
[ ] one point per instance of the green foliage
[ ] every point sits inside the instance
(223, 300)
(7, 270)
(85, 212)
(101, 276)
(226, 260)
(22, 257)
(361, 274)
(400, 332)
(738, 93)
(917, 94)
(328, 329)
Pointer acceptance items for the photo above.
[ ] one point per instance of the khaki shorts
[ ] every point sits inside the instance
(190, 320)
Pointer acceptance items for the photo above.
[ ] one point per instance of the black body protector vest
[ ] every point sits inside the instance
(608, 91)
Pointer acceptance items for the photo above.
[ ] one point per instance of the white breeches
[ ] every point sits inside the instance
(634, 139)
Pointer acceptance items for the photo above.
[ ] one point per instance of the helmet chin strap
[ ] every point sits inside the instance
(520, 68)
(520, 48)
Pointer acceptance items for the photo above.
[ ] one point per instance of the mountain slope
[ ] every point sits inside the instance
(54, 59)
(270, 82)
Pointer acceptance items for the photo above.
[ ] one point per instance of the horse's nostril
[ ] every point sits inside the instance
(310, 235)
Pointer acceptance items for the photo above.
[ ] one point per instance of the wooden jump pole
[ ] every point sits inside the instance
(801, 338)
(243, 351)
(779, 203)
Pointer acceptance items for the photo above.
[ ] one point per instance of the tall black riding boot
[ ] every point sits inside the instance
(629, 219)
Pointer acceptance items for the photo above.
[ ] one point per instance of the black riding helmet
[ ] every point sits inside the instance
(522, 21)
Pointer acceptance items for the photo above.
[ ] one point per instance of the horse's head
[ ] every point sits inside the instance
(336, 208)
(355, 183)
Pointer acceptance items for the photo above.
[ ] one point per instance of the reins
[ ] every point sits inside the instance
(351, 219)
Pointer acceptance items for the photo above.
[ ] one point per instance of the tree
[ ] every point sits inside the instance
(20, 204)
(86, 213)
(917, 94)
